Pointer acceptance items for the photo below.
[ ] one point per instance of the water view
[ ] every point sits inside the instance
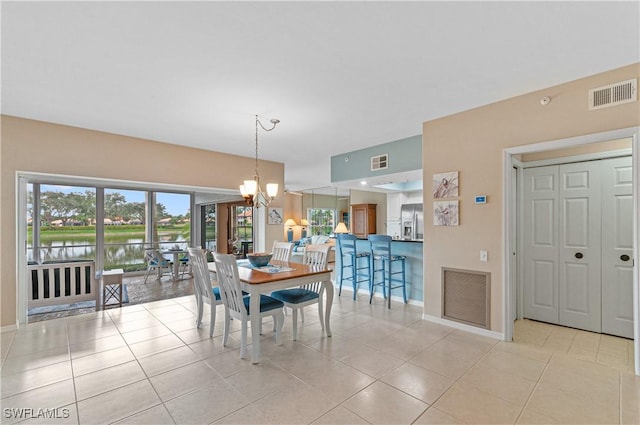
(123, 249)
(67, 218)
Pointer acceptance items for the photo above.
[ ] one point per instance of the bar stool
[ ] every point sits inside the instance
(350, 258)
(381, 251)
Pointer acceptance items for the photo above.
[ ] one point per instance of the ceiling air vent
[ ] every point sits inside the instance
(613, 94)
(379, 162)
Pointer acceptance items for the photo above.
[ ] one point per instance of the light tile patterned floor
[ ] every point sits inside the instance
(147, 364)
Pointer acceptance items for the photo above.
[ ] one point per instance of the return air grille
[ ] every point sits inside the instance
(379, 162)
(466, 296)
(613, 94)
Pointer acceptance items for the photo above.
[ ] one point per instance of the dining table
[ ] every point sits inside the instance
(279, 275)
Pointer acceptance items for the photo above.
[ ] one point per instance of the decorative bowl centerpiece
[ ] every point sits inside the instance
(259, 259)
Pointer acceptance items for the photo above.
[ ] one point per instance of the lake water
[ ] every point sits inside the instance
(127, 253)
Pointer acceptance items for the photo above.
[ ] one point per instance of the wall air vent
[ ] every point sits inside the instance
(379, 162)
(613, 94)
(466, 297)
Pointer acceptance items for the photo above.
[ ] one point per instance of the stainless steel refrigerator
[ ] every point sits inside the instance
(412, 221)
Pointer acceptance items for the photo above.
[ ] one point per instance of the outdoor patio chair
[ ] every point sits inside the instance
(157, 263)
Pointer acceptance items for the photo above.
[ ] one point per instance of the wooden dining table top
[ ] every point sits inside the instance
(256, 276)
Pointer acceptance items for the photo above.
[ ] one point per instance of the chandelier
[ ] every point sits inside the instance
(251, 190)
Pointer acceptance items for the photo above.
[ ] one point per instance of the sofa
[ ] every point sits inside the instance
(298, 247)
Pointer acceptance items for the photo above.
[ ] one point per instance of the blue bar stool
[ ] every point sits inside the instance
(383, 261)
(350, 258)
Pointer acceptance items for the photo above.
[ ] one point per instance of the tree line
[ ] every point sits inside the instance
(80, 208)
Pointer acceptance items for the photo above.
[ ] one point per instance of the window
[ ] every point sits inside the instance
(241, 230)
(124, 229)
(67, 217)
(61, 224)
(322, 221)
(208, 226)
(173, 220)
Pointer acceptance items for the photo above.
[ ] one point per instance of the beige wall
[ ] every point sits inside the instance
(292, 209)
(35, 146)
(473, 143)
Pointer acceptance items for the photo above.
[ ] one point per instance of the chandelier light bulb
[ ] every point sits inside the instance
(272, 189)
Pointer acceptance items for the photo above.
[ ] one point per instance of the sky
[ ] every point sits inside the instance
(176, 203)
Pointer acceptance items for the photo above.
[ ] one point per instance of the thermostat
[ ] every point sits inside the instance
(481, 199)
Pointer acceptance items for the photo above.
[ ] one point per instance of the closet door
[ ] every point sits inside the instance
(617, 246)
(579, 272)
(541, 243)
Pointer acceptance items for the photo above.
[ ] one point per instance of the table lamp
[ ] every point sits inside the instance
(304, 223)
(290, 222)
(341, 228)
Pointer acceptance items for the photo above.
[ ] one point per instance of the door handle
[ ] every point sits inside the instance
(579, 255)
(625, 257)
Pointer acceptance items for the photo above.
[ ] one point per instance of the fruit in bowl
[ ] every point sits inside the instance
(259, 259)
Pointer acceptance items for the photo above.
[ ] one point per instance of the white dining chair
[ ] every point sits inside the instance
(237, 305)
(281, 251)
(204, 292)
(298, 298)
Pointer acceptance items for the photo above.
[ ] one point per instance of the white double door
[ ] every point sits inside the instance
(578, 244)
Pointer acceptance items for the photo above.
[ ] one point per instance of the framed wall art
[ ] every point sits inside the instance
(445, 213)
(445, 185)
(274, 216)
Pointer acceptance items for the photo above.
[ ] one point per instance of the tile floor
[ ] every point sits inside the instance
(147, 364)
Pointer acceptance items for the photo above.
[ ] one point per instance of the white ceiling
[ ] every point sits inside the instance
(340, 76)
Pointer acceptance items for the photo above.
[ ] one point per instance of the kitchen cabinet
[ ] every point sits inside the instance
(394, 202)
(363, 220)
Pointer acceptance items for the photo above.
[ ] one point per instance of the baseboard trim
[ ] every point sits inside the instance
(463, 327)
(9, 328)
(378, 295)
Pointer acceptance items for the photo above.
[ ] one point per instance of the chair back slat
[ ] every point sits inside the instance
(155, 257)
(316, 256)
(346, 244)
(229, 281)
(201, 276)
(281, 251)
(380, 245)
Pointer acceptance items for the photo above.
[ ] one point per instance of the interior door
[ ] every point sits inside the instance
(617, 247)
(579, 271)
(540, 243)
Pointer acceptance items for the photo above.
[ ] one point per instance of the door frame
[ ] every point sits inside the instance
(508, 275)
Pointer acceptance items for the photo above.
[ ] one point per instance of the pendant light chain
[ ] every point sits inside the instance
(257, 121)
(251, 190)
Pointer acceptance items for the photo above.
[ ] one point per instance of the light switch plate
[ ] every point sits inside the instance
(483, 256)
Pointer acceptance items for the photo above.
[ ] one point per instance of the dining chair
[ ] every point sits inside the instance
(204, 292)
(298, 298)
(156, 262)
(281, 251)
(237, 305)
(184, 267)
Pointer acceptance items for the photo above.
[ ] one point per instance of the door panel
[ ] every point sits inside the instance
(617, 231)
(543, 287)
(579, 279)
(540, 244)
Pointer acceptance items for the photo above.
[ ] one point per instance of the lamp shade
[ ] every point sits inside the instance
(272, 189)
(304, 222)
(290, 222)
(341, 228)
(251, 186)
